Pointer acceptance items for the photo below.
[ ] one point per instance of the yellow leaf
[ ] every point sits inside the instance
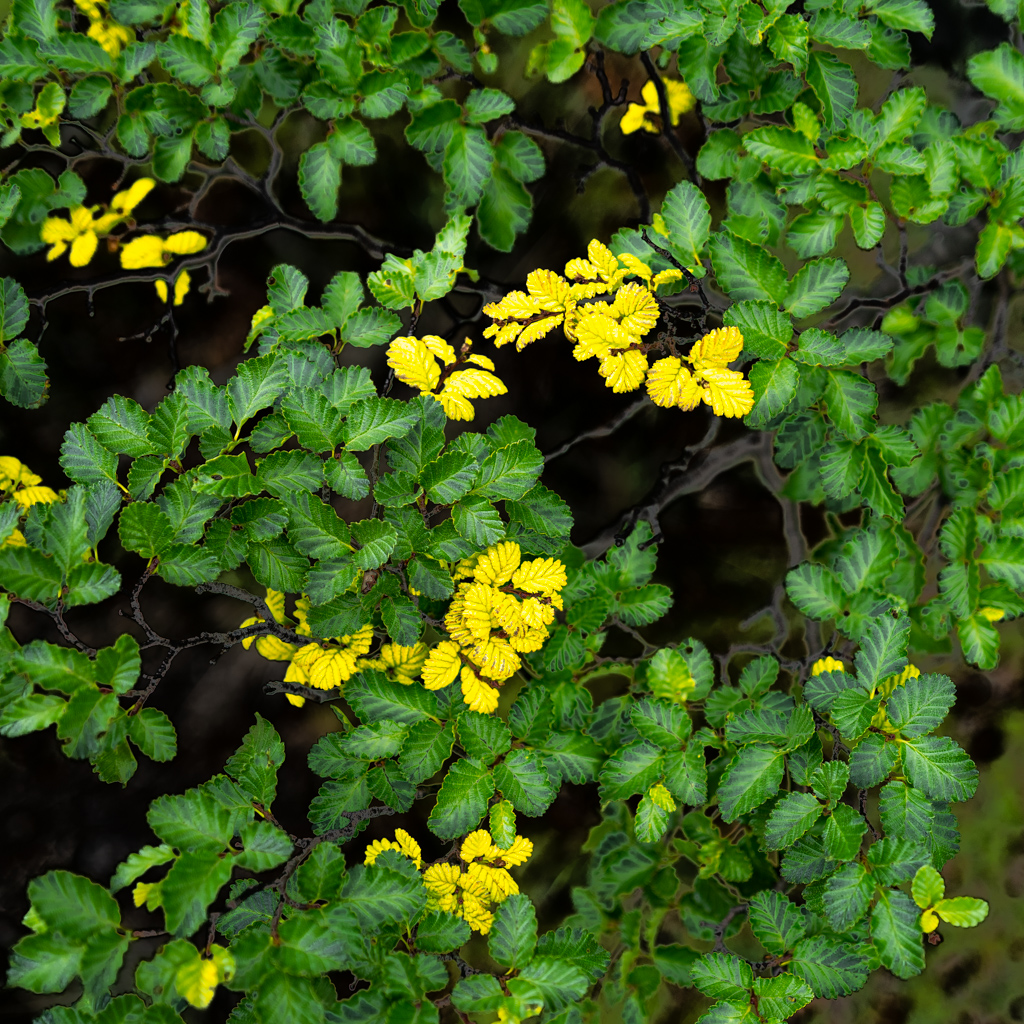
(196, 981)
(669, 384)
(602, 257)
(29, 496)
(479, 360)
(83, 248)
(582, 272)
(518, 853)
(549, 289)
(661, 797)
(477, 694)
(625, 371)
(540, 576)
(440, 348)
(497, 564)
(829, 664)
(294, 698)
(636, 308)
(477, 844)
(929, 921)
(181, 287)
(125, 201)
(474, 384)
(635, 266)
(992, 614)
(514, 306)
(184, 243)
(716, 349)
(495, 659)
(455, 406)
(597, 335)
(442, 666)
(161, 290)
(414, 364)
(666, 277)
(145, 251)
(728, 392)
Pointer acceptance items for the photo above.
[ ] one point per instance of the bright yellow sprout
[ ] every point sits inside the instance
(613, 331)
(647, 115)
(182, 283)
(415, 362)
(154, 251)
(828, 664)
(502, 609)
(111, 35)
(87, 225)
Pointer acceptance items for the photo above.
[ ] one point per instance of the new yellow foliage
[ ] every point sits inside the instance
(647, 115)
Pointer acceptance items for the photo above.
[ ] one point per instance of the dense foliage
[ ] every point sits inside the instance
(458, 635)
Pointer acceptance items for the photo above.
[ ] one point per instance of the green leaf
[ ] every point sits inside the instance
(45, 963)
(426, 748)
(835, 86)
(376, 541)
(928, 887)
(255, 764)
(484, 105)
(72, 904)
(345, 476)
(723, 976)
(816, 285)
(847, 894)
(777, 923)
(522, 778)
(509, 472)
(782, 149)
(190, 887)
(439, 932)
(688, 219)
(921, 704)
(829, 967)
(195, 820)
(816, 591)
(999, 74)
(751, 777)
(462, 799)
(962, 911)
(143, 528)
(137, 864)
(940, 768)
(895, 933)
(373, 420)
(542, 511)
(631, 770)
(467, 163)
(23, 380)
(152, 732)
(774, 383)
(478, 521)
(376, 698)
(813, 234)
(84, 459)
(505, 209)
(513, 935)
(747, 271)
(13, 309)
(265, 847)
(554, 983)
(793, 815)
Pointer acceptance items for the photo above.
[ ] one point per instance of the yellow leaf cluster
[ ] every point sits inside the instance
(501, 609)
(154, 251)
(19, 484)
(728, 392)
(110, 34)
(647, 115)
(473, 889)
(614, 331)
(403, 843)
(418, 363)
(182, 283)
(86, 225)
(326, 664)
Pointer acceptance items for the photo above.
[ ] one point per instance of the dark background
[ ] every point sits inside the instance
(723, 551)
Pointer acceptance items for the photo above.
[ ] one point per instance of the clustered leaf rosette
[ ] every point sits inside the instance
(647, 115)
(321, 665)
(88, 224)
(19, 484)
(416, 363)
(928, 890)
(613, 331)
(471, 889)
(502, 610)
